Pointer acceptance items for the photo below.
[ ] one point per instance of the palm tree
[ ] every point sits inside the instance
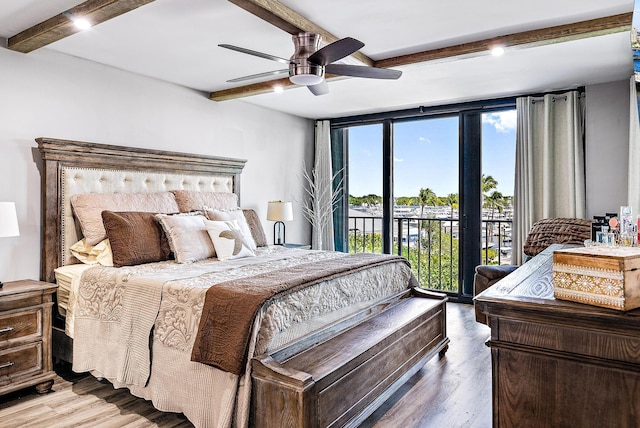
(426, 197)
(452, 201)
(495, 201)
(488, 183)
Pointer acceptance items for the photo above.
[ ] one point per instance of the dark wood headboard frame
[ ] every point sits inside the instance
(58, 154)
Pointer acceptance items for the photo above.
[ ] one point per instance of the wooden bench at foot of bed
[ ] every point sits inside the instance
(342, 379)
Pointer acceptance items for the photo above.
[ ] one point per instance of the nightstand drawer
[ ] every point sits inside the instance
(20, 325)
(20, 360)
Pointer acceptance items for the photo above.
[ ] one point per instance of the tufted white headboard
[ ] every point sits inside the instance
(72, 167)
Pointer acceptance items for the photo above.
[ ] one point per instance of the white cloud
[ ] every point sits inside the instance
(422, 139)
(395, 159)
(503, 121)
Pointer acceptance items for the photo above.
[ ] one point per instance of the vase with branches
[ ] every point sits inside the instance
(321, 202)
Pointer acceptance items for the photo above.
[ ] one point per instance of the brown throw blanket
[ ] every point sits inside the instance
(230, 307)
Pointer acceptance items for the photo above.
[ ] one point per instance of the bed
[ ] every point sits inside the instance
(152, 325)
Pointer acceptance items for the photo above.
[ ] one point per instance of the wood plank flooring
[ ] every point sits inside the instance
(452, 392)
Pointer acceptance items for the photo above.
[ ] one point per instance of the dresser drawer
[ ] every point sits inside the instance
(21, 360)
(20, 325)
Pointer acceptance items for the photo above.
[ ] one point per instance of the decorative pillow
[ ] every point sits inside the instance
(255, 226)
(135, 238)
(88, 209)
(188, 237)
(190, 200)
(93, 254)
(231, 215)
(228, 240)
(556, 231)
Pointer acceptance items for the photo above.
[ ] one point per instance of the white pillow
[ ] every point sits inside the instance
(231, 215)
(228, 240)
(188, 237)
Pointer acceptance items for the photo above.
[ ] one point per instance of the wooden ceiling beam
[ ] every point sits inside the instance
(60, 26)
(544, 36)
(287, 19)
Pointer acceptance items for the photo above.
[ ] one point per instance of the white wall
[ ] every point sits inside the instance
(607, 147)
(47, 94)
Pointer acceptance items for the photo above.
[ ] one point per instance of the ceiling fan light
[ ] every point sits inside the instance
(306, 79)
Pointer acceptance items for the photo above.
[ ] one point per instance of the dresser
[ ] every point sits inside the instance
(25, 336)
(557, 363)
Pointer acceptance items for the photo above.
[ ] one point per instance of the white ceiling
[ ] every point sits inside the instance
(176, 41)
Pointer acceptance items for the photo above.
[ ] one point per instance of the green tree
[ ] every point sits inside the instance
(452, 200)
(426, 197)
(488, 184)
(495, 201)
(405, 201)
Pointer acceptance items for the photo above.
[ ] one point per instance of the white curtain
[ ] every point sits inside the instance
(634, 150)
(322, 233)
(550, 174)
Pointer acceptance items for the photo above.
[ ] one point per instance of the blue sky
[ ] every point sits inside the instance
(426, 155)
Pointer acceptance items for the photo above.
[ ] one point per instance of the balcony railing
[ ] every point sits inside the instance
(431, 245)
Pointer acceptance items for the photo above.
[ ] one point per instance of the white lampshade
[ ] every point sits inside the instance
(280, 211)
(8, 220)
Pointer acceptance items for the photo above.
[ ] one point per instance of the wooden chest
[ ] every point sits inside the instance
(602, 276)
(341, 380)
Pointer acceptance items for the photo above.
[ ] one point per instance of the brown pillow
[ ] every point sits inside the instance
(255, 226)
(135, 238)
(88, 208)
(191, 200)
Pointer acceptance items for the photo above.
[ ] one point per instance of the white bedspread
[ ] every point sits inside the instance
(115, 304)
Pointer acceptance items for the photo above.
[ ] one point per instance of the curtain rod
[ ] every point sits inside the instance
(554, 98)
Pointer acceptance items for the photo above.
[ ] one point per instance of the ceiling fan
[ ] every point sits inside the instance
(308, 64)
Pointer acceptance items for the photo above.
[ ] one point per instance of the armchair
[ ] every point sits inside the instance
(542, 234)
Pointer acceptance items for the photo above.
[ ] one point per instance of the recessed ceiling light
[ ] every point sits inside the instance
(278, 89)
(497, 51)
(82, 24)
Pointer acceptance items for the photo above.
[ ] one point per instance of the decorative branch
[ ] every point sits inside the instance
(322, 200)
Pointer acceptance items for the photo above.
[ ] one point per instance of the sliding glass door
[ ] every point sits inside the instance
(434, 188)
(425, 188)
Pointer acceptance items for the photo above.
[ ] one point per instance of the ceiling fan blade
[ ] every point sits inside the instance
(259, 76)
(335, 51)
(319, 89)
(362, 71)
(256, 53)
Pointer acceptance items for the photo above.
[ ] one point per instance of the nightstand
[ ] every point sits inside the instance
(298, 246)
(25, 336)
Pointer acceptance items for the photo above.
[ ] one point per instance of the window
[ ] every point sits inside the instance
(498, 173)
(415, 188)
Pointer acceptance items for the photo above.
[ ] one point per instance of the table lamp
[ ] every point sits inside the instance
(8, 221)
(279, 211)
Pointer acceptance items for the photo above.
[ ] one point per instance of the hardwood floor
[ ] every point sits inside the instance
(451, 392)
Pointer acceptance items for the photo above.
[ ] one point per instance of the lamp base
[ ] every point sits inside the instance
(278, 233)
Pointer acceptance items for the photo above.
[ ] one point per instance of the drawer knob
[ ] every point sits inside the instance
(5, 365)
(6, 329)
